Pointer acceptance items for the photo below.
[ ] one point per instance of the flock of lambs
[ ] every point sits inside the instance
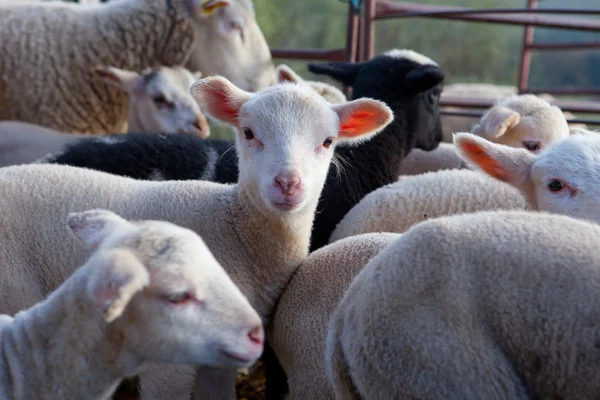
(370, 253)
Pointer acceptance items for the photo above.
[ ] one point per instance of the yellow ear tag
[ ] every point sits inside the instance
(211, 5)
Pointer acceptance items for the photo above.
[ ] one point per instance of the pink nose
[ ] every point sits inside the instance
(288, 183)
(257, 335)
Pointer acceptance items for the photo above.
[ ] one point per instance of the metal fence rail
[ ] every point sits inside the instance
(360, 43)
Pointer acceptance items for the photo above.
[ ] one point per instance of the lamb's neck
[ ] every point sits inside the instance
(168, 40)
(64, 349)
(277, 243)
(377, 161)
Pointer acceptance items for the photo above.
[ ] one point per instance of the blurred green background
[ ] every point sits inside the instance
(467, 51)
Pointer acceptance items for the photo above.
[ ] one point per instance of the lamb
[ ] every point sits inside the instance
(285, 137)
(414, 85)
(47, 49)
(329, 92)
(452, 124)
(144, 279)
(491, 305)
(518, 121)
(298, 330)
(159, 101)
(564, 178)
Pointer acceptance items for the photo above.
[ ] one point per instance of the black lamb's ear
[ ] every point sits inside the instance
(343, 72)
(424, 78)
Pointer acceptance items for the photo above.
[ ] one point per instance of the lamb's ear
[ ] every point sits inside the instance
(423, 78)
(497, 122)
(219, 98)
(343, 72)
(508, 164)
(120, 78)
(205, 8)
(117, 275)
(92, 227)
(286, 74)
(362, 118)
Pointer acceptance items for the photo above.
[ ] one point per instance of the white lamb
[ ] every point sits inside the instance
(525, 121)
(493, 305)
(452, 124)
(298, 330)
(47, 48)
(258, 229)
(159, 101)
(150, 292)
(564, 178)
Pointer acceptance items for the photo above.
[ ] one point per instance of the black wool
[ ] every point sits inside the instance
(154, 156)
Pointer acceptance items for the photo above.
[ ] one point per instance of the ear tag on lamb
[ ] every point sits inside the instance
(211, 5)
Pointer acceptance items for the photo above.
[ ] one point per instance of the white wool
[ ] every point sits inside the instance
(564, 179)
(491, 305)
(410, 55)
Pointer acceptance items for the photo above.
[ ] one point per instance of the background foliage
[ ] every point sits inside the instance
(468, 51)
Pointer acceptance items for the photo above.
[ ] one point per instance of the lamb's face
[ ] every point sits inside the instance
(285, 142)
(190, 310)
(524, 121)
(237, 48)
(161, 102)
(563, 179)
(160, 289)
(285, 137)
(566, 177)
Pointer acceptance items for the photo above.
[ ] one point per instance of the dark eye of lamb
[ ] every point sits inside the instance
(532, 146)
(327, 142)
(248, 134)
(555, 185)
(161, 101)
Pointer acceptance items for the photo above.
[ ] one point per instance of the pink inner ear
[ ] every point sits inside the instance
(359, 122)
(480, 157)
(221, 101)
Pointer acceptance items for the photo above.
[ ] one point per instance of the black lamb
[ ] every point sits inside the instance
(408, 82)
(153, 156)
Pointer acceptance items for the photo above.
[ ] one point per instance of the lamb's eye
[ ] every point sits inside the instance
(555, 185)
(532, 146)
(178, 298)
(161, 101)
(327, 142)
(248, 133)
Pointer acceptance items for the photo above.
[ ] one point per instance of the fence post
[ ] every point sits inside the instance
(526, 52)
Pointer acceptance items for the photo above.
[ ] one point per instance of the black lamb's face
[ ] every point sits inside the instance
(408, 82)
(427, 123)
(412, 90)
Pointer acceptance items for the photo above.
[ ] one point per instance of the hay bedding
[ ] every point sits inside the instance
(249, 386)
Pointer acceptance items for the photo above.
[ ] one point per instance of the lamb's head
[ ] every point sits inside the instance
(409, 82)
(159, 99)
(285, 138)
(159, 287)
(229, 42)
(525, 121)
(325, 90)
(564, 178)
